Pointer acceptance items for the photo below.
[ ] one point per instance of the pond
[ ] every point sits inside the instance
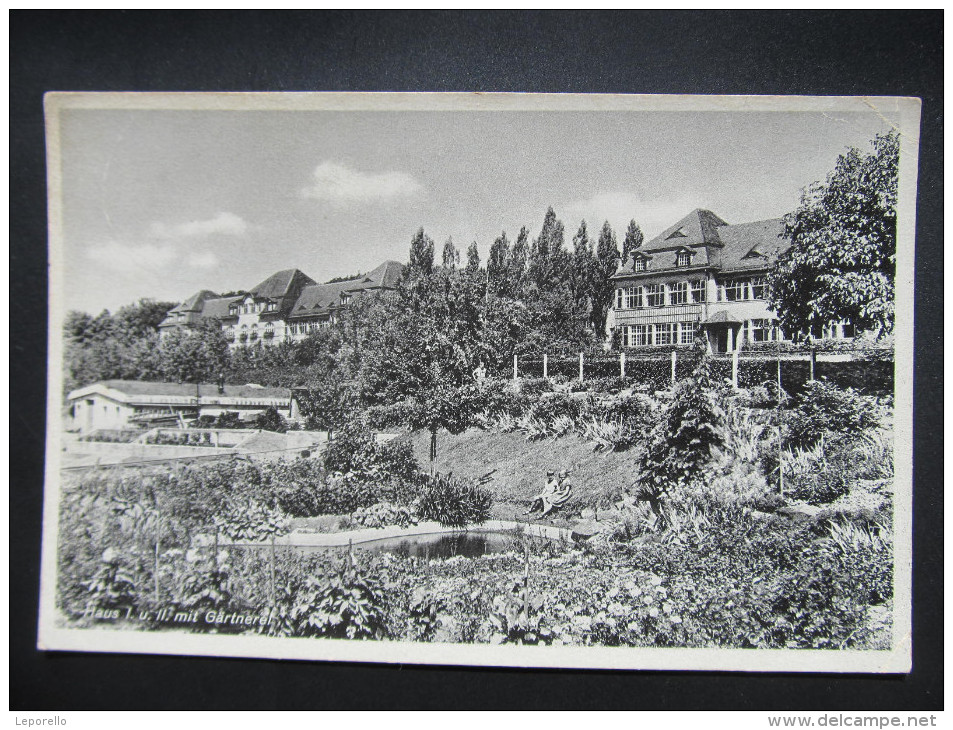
(443, 545)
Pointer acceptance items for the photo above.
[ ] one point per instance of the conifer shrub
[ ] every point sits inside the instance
(680, 446)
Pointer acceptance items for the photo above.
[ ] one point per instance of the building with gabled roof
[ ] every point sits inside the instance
(287, 305)
(123, 404)
(702, 276)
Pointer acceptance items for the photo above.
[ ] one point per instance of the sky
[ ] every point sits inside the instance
(161, 204)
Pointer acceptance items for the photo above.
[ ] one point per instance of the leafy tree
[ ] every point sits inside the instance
(329, 403)
(421, 255)
(141, 319)
(606, 263)
(633, 240)
(198, 355)
(842, 259)
(517, 263)
(583, 266)
(451, 256)
(473, 259)
(547, 256)
(496, 265)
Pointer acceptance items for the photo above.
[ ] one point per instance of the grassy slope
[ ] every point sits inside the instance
(521, 465)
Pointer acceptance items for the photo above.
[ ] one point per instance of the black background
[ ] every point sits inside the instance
(850, 53)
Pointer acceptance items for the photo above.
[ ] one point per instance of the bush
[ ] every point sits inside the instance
(384, 514)
(535, 386)
(270, 420)
(354, 451)
(345, 605)
(825, 408)
(553, 405)
(453, 502)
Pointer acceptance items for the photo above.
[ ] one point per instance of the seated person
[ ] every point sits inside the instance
(540, 500)
(560, 495)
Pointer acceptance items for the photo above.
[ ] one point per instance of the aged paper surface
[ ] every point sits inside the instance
(295, 413)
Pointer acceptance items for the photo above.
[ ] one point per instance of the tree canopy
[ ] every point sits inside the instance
(842, 259)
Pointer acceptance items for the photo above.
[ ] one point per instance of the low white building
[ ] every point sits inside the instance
(123, 404)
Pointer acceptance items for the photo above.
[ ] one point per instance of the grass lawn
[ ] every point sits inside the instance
(521, 465)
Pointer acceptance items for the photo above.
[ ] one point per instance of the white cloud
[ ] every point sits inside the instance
(620, 206)
(341, 185)
(202, 260)
(132, 258)
(224, 224)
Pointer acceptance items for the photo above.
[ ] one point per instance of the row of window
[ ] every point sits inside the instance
(737, 290)
(682, 259)
(688, 292)
(252, 308)
(660, 295)
(665, 333)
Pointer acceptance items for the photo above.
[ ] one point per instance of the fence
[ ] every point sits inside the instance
(845, 368)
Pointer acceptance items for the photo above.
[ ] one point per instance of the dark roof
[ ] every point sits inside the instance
(319, 298)
(699, 226)
(752, 245)
(138, 387)
(281, 284)
(194, 302)
(218, 307)
(713, 243)
(723, 317)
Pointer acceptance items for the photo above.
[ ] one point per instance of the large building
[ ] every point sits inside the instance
(286, 306)
(702, 276)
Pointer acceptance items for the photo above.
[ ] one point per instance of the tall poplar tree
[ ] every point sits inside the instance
(607, 261)
(633, 240)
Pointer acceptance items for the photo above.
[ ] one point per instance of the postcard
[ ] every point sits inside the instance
(592, 381)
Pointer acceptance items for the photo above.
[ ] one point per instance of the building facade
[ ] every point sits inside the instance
(124, 404)
(704, 277)
(288, 305)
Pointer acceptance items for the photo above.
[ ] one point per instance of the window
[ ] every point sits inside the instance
(759, 288)
(849, 330)
(683, 258)
(638, 264)
(735, 290)
(678, 293)
(643, 335)
(686, 333)
(232, 310)
(633, 297)
(665, 333)
(698, 291)
(618, 298)
(761, 330)
(655, 295)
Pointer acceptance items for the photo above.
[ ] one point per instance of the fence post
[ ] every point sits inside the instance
(581, 378)
(622, 364)
(674, 357)
(545, 365)
(813, 361)
(734, 369)
(515, 366)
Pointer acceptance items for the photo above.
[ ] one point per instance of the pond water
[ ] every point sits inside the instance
(441, 545)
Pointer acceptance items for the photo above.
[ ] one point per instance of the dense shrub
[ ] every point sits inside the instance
(681, 444)
(453, 502)
(535, 386)
(354, 451)
(384, 514)
(550, 406)
(824, 408)
(346, 604)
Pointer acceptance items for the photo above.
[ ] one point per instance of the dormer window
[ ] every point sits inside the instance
(680, 233)
(638, 264)
(683, 258)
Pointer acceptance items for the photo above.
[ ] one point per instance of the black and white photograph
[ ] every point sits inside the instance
(598, 381)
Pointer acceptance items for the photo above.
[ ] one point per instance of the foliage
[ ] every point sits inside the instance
(197, 355)
(453, 502)
(823, 408)
(113, 586)
(347, 604)
(384, 514)
(680, 445)
(356, 453)
(270, 420)
(842, 259)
